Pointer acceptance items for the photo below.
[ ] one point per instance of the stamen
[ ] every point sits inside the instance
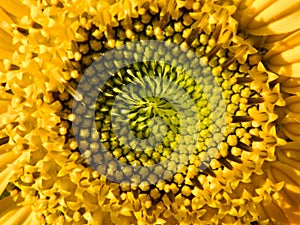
(37, 26)
(4, 140)
(234, 158)
(210, 172)
(243, 146)
(14, 67)
(164, 20)
(228, 62)
(243, 80)
(240, 119)
(256, 138)
(224, 162)
(194, 34)
(197, 183)
(23, 31)
(253, 101)
(213, 52)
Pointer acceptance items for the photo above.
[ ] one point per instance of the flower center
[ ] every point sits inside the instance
(240, 99)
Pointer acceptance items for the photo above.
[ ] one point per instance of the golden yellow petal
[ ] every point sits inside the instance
(15, 8)
(261, 17)
(291, 128)
(4, 17)
(290, 70)
(5, 176)
(288, 199)
(4, 54)
(289, 56)
(290, 85)
(5, 99)
(12, 213)
(293, 106)
(252, 8)
(290, 176)
(279, 43)
(11, 13)
(7, 156)
(6, 41)
(6, 170)
(283, 55)
(290, 154)
(280, 17)
(274, 212)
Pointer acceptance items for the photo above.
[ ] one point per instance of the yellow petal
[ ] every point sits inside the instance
(15, 8)
(283, 54)
(5, 99)
(289, 197)
(279, 43)
(289, 56)
(280, 17)
(12, 213)
(290, 154)
(5, 176)
(290, 70)
(291, 128)
(274, 212)
(4, 17)
(7, 156)
(6, 41)
(290, 176)
(270, 17)
(248, 9)
(4, 54)
(290, 85)
(11, 12)
(293, 106)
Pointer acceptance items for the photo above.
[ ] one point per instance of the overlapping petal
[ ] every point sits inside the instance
(277, 22)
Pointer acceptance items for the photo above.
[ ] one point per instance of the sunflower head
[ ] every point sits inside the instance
(149, 112)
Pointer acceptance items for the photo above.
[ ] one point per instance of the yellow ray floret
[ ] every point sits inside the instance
(278, 22)
(283, 54)
(13, 213)
(6, 171)
(286, 169)
(290, 85)
(11, 12)
(15, 8)
(290, 121)
(259, 17)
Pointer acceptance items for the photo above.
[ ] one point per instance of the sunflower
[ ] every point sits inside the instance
(242, 169)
